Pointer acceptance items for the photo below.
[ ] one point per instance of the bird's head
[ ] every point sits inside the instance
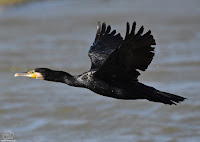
(38, 73)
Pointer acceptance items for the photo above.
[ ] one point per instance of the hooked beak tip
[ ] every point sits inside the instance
(16, 75)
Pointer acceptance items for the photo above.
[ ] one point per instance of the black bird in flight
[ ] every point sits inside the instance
(114, 67)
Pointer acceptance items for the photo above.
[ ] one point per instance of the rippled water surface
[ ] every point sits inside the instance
(58, 34)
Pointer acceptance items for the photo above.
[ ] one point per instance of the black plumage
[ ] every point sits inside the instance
(114, 66)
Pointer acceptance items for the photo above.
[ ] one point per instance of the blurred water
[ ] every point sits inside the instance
(58, 34)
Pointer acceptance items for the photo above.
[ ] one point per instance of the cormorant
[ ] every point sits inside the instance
(114, 67)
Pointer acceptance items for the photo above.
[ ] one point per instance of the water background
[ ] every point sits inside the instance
(57, 34)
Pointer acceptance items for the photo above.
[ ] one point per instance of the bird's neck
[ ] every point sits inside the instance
(60, 76)
(69, 79)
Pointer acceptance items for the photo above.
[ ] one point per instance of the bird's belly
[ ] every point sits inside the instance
(106, 89)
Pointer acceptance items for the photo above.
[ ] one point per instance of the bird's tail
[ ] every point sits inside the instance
(154, 95)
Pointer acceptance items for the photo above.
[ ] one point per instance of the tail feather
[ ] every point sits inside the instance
(154, 95)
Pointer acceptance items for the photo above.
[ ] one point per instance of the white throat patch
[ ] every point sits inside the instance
(39, 75)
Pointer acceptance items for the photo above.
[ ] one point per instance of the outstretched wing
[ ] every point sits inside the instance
(134, 53)
(105, 43)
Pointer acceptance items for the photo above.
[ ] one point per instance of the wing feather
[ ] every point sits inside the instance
(135, 52)
(104, 44)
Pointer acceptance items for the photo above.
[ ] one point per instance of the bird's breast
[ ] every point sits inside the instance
(85, 79)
